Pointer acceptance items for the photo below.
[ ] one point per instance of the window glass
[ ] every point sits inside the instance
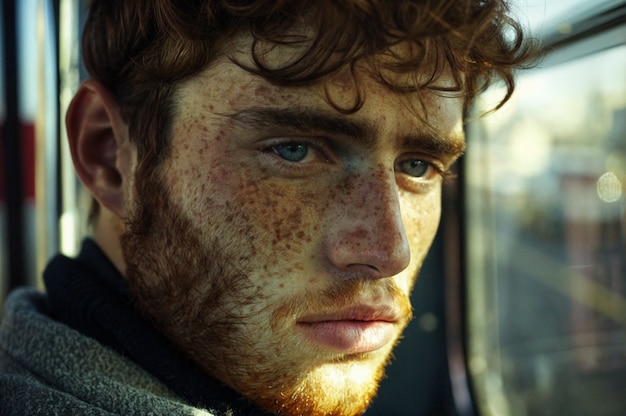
(546, 243)
(541, 15)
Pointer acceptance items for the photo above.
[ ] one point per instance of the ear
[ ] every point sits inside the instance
(101, 151)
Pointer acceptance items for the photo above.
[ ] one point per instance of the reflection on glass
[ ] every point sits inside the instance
(546, 180)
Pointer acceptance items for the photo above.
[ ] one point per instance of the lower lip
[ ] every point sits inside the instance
(351, 337)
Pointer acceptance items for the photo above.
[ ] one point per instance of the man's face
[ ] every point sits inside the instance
(288, 235)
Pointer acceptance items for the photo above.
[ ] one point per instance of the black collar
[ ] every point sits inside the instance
(90, 295)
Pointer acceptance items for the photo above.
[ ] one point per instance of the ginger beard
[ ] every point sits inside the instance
(196, 283)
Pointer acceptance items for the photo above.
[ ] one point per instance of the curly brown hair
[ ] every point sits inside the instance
(141, 49)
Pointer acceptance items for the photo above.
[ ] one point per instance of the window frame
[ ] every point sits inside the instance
(567, 38)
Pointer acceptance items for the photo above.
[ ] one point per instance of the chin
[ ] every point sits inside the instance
(343, 387)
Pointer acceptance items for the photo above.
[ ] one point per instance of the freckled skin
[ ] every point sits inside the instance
(243, 245)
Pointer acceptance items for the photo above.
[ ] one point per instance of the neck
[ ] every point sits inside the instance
(107, 232)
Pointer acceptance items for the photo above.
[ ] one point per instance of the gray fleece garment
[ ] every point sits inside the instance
(47, 368)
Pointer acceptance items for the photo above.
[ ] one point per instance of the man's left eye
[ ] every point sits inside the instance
(416, 168)
(291, 152)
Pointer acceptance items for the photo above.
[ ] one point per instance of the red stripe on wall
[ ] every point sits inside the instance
(28, 162)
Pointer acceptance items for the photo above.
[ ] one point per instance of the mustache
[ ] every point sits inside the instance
(341, 294)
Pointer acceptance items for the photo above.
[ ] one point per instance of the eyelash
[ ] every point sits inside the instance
(414, 184)
(446, 174)
(321, 148)
(315, 146)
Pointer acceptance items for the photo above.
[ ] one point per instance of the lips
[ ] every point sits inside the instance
(355, 330)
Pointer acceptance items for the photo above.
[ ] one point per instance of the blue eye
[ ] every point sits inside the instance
(292, 152)
(415, 167)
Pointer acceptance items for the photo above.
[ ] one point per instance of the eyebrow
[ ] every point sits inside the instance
(307, 120)
(451, 146)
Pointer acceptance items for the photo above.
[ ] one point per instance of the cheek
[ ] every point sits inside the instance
(421, 220)
(272, 225)
(283, 218)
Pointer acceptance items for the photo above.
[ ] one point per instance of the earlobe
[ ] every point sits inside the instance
(98, 139)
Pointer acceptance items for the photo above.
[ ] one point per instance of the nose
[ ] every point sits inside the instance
(367, 235)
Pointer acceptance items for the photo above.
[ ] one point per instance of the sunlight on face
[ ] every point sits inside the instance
(286, 235)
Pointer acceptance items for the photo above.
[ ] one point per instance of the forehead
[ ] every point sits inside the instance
(342, 87)
(225, 88)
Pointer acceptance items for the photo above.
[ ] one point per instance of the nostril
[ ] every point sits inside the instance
(364, 270)
(368, 253)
